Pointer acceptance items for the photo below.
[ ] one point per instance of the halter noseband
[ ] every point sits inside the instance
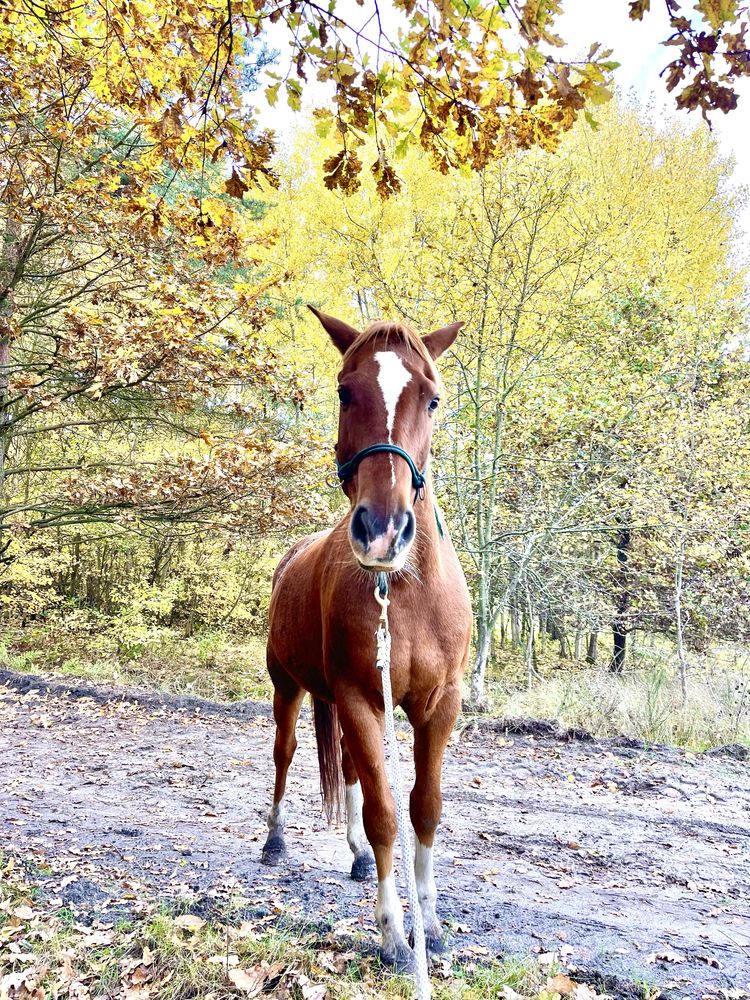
(347, 469)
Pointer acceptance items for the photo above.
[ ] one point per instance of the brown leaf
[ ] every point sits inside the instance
(561, 984)
(235, 186)
(252, 981)
(665, 956)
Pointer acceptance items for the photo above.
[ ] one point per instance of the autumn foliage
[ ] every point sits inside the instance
(158, 380)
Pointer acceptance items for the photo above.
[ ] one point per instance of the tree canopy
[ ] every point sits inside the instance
(468, 81)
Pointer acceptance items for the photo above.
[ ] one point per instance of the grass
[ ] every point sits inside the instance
(214, 665)
(171, 955)
(644, 702)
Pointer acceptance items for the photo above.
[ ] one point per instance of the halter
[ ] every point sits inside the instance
(347, 469)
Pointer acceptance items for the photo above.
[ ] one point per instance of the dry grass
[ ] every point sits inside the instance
(214, 665)
(644, 702)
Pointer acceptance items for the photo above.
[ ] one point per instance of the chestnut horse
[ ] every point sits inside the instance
(323, 617)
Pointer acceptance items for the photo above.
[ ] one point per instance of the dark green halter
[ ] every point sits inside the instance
(347, 469)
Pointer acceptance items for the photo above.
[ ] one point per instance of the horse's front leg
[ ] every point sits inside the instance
(363, 731)
(425, 805)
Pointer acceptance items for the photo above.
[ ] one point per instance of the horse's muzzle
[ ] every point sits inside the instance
(380, 542)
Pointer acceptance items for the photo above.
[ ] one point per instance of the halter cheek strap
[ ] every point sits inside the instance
(347, 469)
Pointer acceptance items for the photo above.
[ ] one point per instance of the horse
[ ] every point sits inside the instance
(323, 618)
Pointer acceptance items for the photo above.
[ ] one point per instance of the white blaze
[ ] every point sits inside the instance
(277, 815)
(393, 377)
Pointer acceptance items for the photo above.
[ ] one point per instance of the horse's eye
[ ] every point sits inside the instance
(345, 397)
(433, 404)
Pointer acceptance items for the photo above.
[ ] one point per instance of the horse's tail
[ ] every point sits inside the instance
(329, 758)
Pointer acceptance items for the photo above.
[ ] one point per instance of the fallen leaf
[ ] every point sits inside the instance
(584, 992)
(228, 961)
(251, 981)
(710, 960)
(665, 956)
(189, 922)
(561, 984)
(311, 990)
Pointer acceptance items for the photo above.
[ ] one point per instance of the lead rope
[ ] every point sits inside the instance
(383, 663)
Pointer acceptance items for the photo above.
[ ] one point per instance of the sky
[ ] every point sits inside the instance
(636, 46)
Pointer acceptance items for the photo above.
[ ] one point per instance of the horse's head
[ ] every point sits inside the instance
(389, 392)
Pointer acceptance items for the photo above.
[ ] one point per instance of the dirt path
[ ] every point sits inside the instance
(607, 855)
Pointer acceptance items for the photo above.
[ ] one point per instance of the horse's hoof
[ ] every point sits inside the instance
(363, 867)
(434, 940)
(435, 943)
(274, 850)
(401, 958)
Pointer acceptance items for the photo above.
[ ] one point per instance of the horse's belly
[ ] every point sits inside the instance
(295, 638)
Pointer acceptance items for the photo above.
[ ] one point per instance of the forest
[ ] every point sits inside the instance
(168, 425)
(168, 404)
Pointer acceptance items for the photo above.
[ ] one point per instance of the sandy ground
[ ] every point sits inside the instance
(629, 863)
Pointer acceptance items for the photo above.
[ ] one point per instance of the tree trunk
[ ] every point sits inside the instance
(515, 627)
(529, 652)
(9, 256)
(622, 601)
(479, 671)
(578, 643)
(617, 663)
(592, 647)
(558, 632)
(529, 656)
(681, 659)
(484, 633)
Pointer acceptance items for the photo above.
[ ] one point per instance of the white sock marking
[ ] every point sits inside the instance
(277, 816)
(393, 377)
(425, 878)
(355, 830)
(389, 913)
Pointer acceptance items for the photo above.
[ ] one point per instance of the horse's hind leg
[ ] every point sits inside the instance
(287, 701)
(363, 866)
(425, 805)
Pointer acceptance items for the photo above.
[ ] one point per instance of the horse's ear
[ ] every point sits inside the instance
(340, 332)
(440, 340)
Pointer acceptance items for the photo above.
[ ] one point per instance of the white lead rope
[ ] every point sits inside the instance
(383, 663)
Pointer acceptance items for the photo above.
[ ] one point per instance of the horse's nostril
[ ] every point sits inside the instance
(360, 526)
(406, 529)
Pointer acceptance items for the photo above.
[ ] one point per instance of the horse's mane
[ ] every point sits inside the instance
(391, 330)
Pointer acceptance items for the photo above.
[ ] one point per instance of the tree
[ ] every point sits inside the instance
(135, 387)
(584, 278)
(468, 83)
